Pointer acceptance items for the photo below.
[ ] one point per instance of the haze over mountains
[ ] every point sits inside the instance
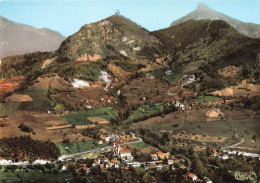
(20, 39)
(204, 12)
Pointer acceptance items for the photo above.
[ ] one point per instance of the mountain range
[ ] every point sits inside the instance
(203, 12)
(20, 39)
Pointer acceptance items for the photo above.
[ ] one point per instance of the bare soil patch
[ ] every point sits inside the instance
(51, 82)
(39, 122)
(10, 84)
(94, 96)
(145, 89)
(18, 98)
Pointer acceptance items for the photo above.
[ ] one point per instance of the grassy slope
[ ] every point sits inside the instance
(141, 145)
(175, 75)
(205, 98)
(145, 111)
(76, 147)
(79, 117)
(34, 176)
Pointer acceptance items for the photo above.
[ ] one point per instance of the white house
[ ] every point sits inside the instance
(123, 153)
(5, 162)
(40, 162)
(192, 177)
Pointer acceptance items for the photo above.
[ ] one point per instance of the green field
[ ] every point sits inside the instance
(79, 117)
(174, 75)
(34, 175)
(205, 98)
(144, 111)
(141, 145)
(76, 147)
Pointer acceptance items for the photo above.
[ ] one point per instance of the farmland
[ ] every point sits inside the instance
(141, 145)
(234, 130)
(145, 111)
(80, 117)
(78, 147)
(171, 75)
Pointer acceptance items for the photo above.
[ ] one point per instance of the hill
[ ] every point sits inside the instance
(207, 41)
(115, 36)
(203, 12)
(20, 39)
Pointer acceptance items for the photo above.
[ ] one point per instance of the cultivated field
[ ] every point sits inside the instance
(78, 147)
(80, 117)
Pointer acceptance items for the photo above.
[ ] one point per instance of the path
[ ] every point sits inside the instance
(228, 147)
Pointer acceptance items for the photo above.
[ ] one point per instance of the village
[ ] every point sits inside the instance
(120, 157)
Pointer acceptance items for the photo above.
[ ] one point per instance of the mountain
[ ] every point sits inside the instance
(204, 12)
(20, 39)
(115, 36)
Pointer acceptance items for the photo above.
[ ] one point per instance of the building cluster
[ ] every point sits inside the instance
(111, 138)
(222, 156)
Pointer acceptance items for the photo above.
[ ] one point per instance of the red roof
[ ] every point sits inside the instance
(159, 152)
(113, 160)
(85, 168)
(125, 151)
(191, 175)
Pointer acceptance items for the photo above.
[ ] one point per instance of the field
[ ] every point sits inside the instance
(79, 98)
(145, 111)
(242, 128)
(205, 98)
(141, 145)
(79, 117)
(40, 102)
(39, 122)
(34, 175)
(78, 147)
(171, 75)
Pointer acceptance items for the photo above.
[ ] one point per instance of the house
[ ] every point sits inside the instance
(122, 153)
(224, 157)
(85, 169)
(192, 177)
(63, 168)
(213, 150)
(207, 180)
(5, 162)
(162, 155)
(154, 157)
(170, 161)
(114, 163)
(40, 162)
(100, 142)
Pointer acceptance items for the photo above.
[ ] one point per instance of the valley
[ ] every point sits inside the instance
(115, 97)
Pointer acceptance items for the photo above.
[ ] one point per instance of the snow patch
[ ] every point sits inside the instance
(124, 39)
(123, 52)
(137, 48)
(78, 83)
(105, 77)
(168, 72)
(130, 41)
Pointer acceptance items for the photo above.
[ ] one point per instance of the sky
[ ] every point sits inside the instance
(67, 16)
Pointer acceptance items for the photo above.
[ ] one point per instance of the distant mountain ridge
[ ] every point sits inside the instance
(16, 38)
(204, 12)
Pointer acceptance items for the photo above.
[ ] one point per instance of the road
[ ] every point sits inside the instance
(61, 158)
(241, 142)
